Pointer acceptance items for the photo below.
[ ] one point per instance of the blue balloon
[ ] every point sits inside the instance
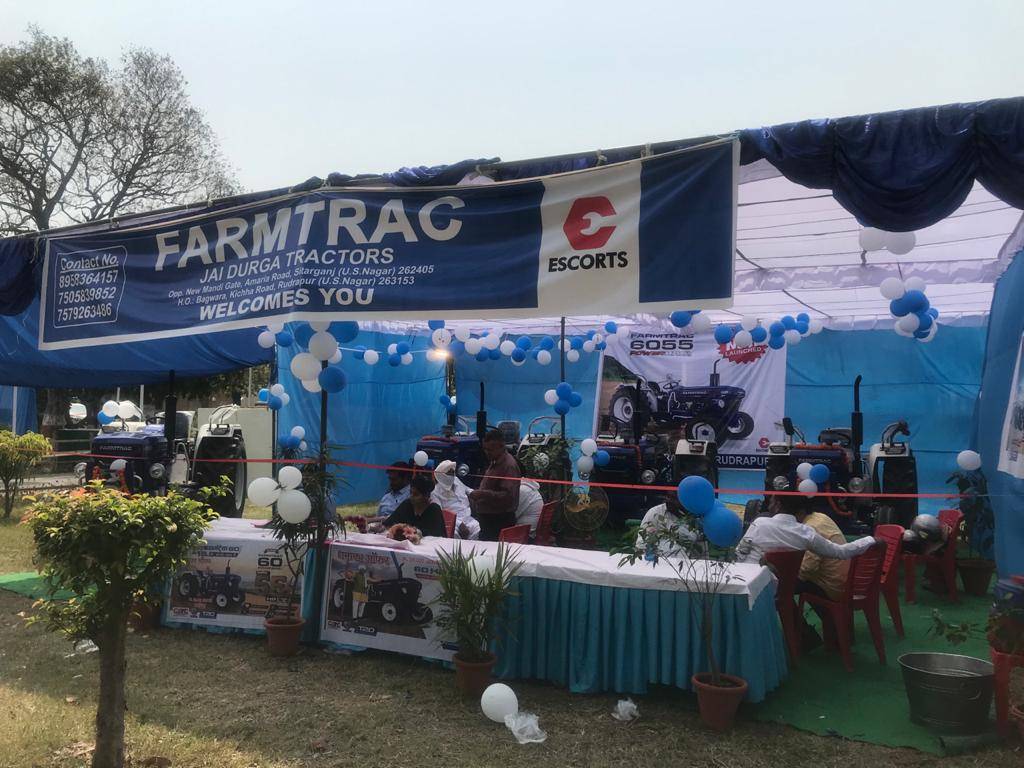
(534, 352)
(789, 322)
(263, 394)
(494, 354)
(921, 334)
(518, 354)
(562, 407)
(611, 327)
(303, 333)
(601, 458)
(360, 352)
(451, 408)
(802, 327)
(575, 399)
(915, 301)
(680, 318)
(600, 345)
(591, 334)
(524, 342)
(274, 403)
(292, 442)
(435, 324)
(456, 348)
(777, 342)
(564, 389)
(696, 494)
(483, 355)
(576, 342)
(394, 360)
(759, 334)
(445, 400)
(547, 343)
(898, 307)
(332, 379)
(722, 527)
(933, 312)
(820, 473)
(284, 339)
(402, 347)
(723, 334)
(103, 419)
(803, 317)
(345, 331)
(924, 321)
(776, 328)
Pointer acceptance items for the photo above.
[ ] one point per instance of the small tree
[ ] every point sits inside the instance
(108, 550)
(979, 523)
(18, 454)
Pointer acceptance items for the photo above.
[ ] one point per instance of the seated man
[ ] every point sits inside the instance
(398, 489)
(495, 502)
(451, 494)
(530, 505)
(823, 575)
(418, 510)
(668, 516)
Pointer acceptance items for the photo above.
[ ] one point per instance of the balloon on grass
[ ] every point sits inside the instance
(498, 702)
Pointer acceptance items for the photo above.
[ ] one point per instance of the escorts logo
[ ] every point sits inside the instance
(582, 226)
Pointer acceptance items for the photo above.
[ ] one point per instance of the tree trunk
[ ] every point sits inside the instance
(9, 494)
(112, 700)
(708, 630)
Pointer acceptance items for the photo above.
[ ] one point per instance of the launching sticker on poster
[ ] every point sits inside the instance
(1011, 448)
(382, 598)
(692, 386)
(237, 579)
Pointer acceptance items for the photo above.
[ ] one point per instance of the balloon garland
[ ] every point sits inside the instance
(915, 316)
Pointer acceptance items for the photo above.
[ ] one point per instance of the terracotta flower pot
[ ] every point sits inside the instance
(718, 703)
(976, 575)
(283, 635)
(473, 677)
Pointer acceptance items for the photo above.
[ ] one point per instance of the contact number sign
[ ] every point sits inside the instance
(89, 287)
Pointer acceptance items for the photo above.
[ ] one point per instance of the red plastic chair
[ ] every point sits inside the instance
(786, 564)
(944, 563)
(515, 534)
(544, 536)
(449, 523)
(863, 586)
(892, 535)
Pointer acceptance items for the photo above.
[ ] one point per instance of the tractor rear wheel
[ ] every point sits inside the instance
(207, 473)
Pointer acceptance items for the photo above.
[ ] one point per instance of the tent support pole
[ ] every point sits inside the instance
(14, 409)
(561, 365)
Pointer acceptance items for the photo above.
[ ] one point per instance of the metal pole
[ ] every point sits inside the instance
(142, 400)
(14, 410)
(561, 365)
(248, 397)
(117, 395)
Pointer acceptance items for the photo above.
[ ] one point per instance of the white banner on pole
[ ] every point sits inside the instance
(1011, 447)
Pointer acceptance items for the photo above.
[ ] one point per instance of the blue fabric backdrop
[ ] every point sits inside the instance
(25, 420)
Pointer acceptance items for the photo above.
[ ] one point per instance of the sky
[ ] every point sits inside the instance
(300, 89)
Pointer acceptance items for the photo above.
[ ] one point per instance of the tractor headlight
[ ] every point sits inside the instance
(541, 461)
(648, 476)
(462, 471)
(857, 484)
(584, 476)
(780, 483)
(80, 468)
(157, 471)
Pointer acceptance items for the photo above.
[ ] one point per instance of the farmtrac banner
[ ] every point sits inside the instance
(385, 599)
(741, 410)
(1011, 447)
(648, 235)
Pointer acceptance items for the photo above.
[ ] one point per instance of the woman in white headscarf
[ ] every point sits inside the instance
(450, 494)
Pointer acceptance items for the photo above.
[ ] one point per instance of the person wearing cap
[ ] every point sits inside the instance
(398, 489)
(495, 502)
(451, 494)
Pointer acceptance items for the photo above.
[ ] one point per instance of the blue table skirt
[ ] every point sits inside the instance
(592, 639)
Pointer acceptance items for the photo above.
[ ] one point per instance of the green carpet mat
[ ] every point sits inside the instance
(28, 584)
(870, 703)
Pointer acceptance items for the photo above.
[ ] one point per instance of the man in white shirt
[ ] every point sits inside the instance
(665, 517)
(398, 489)
(530, 505)
(451, 495)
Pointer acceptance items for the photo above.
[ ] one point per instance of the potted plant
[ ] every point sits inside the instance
(474, 586)
(705, 569)
(978, 530)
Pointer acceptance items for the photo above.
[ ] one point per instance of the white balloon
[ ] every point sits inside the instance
(792, 336)
(491, 341)
(421, 458)
(572, 356)
(588, 346)
(371, 356)
(588, 446)
(892, 288)
(335, 358)
(551, 397)
(807, 487)
(441, 338)
(305, 367)
(125, 410)
(110, 408)
(277, 389)
(803, 470)
(564, 344)
(462, 334)
(473, 346)
(597, 338)
(507, 347)
(748, 323)
(815, 326)
(392, 349)
(908, 323)
(871, 239)
(118, 465)
(263, 491)
(289, 477)
(319, 325)
(299, 432)
(931, 333)
(293, 506)
(968, 460)
(265, 339)
(743, 339)
(312, 385)
(585, 465)
(407, 358)
(899, 329)
(517, 363)
(900, 243)
(915, 284)
(285, 398)
(322, 345)
(303, 446)
(498, 702)
(700, 323)
(543, 357)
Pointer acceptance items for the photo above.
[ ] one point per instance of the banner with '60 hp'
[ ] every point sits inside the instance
(647, 235)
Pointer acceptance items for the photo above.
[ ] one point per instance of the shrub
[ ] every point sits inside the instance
(18, 454)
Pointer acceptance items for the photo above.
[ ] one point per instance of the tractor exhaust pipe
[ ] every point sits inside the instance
(857, 427)
(481, 416)
(170, 413)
